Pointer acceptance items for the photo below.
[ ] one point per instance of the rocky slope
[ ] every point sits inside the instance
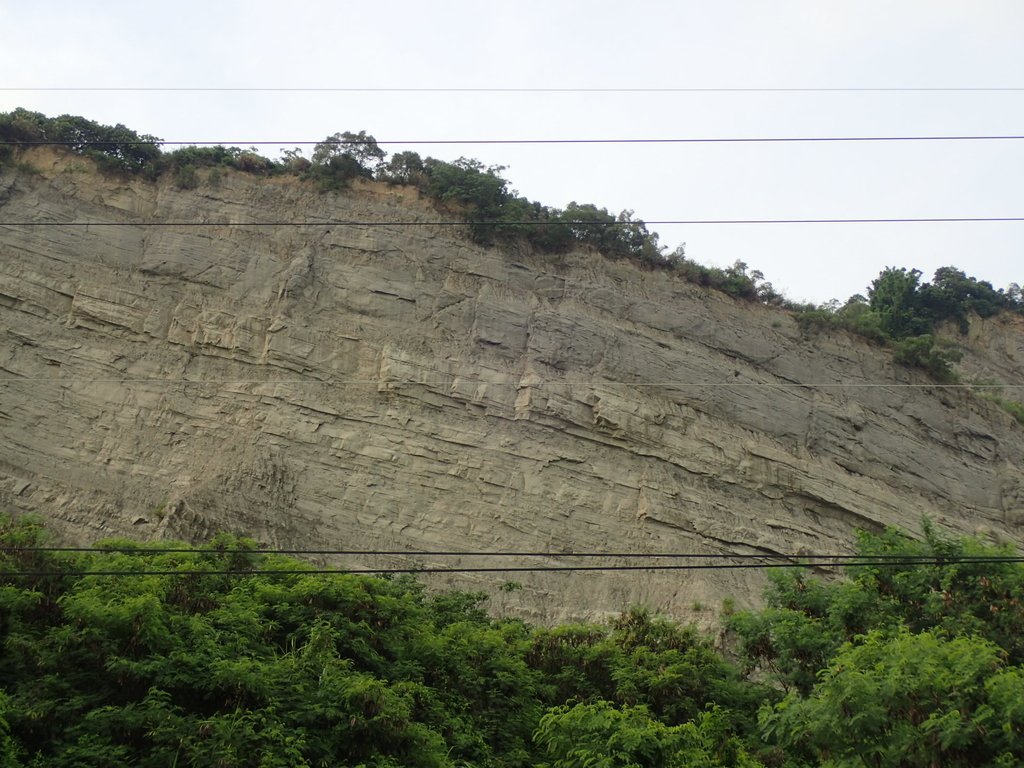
(397, 387)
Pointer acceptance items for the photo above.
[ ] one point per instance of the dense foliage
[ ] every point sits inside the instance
(902, 311)
(316, 670)
(113, 147)
(897, 665)
(902, 664)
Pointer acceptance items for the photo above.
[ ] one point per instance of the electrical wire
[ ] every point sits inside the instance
(496, 224)
(747, 561)
(874, 563)
(156, 550)
(667, 140)
(566, 89)
(467, 380)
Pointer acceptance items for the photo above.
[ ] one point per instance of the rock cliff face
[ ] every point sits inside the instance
(397, 387)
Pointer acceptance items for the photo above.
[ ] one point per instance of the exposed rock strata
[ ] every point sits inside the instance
(399, 388)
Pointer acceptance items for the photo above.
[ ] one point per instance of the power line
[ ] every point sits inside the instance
(876, 563)
(157, 550)
(666, 140)
(466, 379)
(567, 89)
(535, 223)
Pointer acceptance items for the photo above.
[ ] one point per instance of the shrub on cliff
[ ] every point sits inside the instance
(342, 157)
(404, 168)
(936, 356)
(904, 312)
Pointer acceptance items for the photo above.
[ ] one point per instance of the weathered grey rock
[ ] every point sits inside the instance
(400, 388)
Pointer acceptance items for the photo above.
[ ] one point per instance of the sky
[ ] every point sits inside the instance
(643, 44)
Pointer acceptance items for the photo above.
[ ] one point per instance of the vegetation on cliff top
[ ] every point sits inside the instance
(904, 664)
(907, 314)
(899, 311)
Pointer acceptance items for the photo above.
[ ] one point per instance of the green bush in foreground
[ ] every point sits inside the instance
(908, 700)
(246, 669)
(900, 664)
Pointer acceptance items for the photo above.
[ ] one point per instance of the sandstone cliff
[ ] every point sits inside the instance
(399, 388)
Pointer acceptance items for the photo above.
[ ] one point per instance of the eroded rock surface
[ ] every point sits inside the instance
(396, 387)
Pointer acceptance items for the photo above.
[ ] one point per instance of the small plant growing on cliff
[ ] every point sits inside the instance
(294, 162)
(252, 162)
(1013, 408)
(185, 177)
(935, 356)
(992, 393)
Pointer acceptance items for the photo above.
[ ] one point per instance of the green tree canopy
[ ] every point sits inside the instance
(907, 701)
(361, 147)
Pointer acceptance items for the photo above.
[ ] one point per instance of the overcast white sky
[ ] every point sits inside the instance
(598, 44)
